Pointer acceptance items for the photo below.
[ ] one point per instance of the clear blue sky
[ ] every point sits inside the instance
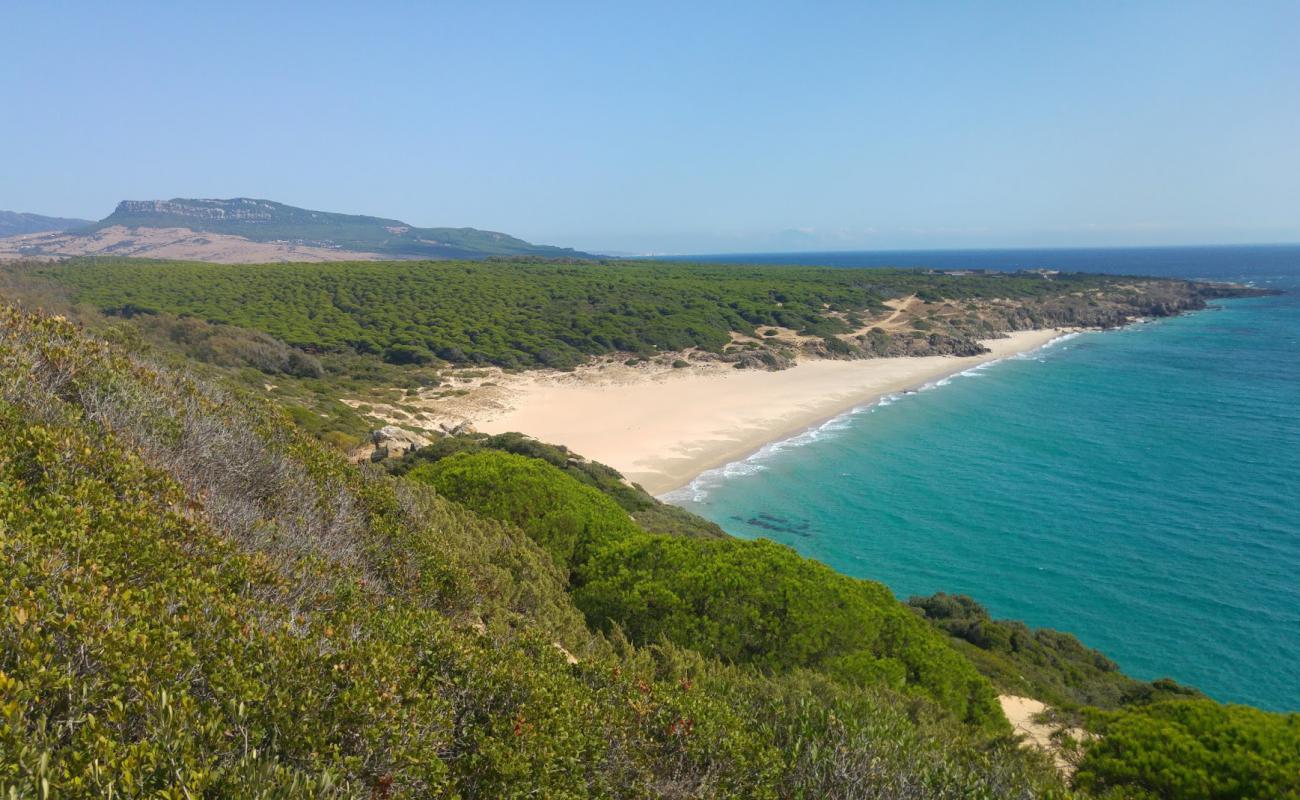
(675, 127)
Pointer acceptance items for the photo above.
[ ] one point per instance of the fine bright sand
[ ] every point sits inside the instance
(663, 428)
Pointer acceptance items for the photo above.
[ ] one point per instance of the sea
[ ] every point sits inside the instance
(1139, 488)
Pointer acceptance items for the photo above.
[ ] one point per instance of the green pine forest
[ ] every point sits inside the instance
(531, 313)
(203, 598)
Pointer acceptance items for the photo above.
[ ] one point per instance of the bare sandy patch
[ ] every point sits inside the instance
(181, 244)
(1031, 720)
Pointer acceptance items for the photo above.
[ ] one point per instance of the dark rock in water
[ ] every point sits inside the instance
(780, 524)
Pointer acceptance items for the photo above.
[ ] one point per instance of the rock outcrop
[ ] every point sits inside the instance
(389, 441)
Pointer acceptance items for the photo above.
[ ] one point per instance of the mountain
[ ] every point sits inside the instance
(16, 223)
(248, 230)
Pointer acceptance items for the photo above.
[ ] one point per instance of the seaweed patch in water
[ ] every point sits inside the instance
(780, 524)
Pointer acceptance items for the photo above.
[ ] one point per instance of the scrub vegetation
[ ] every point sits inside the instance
(201, 597)
(533, 313)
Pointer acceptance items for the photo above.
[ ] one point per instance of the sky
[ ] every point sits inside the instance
(675, 127)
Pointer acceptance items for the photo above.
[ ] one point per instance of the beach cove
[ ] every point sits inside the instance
(663, 427)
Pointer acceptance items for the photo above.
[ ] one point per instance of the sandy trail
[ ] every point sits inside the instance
(1022, 713)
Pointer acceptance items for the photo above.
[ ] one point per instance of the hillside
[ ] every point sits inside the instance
(244, 230)
(199, 597)
(202, 599)
(14, 223)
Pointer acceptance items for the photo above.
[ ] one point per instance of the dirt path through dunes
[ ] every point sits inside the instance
(900, 307)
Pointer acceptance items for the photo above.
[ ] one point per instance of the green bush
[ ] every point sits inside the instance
(1037, 662)
(761, 603)
(1194, 750)
(754, 603)
(649, 513)
(565, 517)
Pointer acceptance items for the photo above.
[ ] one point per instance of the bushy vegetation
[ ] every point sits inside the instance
(761, 603)
(569, 520)
(199, 600)
(1038, 662)
(754, 603)
(650, 514)
(1194, 750)
(307, 385)
(530, 313)
(228, 345)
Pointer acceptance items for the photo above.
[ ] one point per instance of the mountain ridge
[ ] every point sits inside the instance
(17, 223)
(244, 229)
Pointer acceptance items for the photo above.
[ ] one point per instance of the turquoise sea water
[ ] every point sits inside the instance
(1138, 488)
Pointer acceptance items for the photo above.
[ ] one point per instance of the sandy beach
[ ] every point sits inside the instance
(663, 427)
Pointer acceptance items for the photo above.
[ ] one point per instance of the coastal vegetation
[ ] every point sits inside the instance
(309, 335)
(532, 313)
(650, 514)
(747, 602)
(1049, 665)
(202, 596)
(1190, 749)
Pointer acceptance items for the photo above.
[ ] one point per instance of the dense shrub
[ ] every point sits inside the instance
(761, 603)
(1194, 750)
(566, 518)
(754, 603)
(1038, 662)
(228, 345)
(649, 513)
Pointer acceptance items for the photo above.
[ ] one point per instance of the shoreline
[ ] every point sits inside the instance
(866, 403)
(665, 428)
(971, 362)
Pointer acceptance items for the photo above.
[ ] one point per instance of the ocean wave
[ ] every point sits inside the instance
(698, 490)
